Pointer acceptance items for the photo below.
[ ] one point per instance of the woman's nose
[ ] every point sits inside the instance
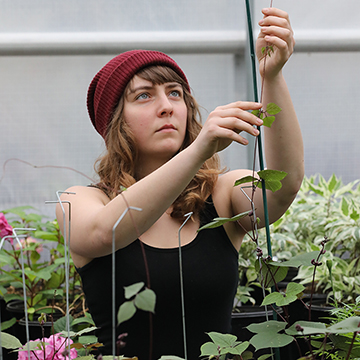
(165, 106)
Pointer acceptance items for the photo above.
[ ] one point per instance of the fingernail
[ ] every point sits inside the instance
(256, 132)
(261, 21)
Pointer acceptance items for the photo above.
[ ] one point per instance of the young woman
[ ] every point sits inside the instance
(161, 160)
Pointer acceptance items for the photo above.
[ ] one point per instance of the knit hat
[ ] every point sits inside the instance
(109, 83)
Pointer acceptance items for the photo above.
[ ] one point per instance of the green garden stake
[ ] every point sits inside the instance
(261, 159)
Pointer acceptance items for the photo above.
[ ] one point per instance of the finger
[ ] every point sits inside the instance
(275, 12)
(244, 105)
(238, 114)
(237, 126)
(282, 33)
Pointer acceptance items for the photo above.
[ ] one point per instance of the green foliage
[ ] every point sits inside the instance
(271, 178)
(267, 115)
(223, 344)
(137, 299)
(322, 208)
(44, 263)
(268, 335)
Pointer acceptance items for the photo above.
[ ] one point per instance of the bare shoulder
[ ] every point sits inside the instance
(223, 201)
(225, 184)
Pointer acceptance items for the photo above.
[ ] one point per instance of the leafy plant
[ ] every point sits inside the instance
(44, 265)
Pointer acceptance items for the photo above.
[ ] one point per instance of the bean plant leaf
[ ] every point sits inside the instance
(126, 311)
(133, 289)
(298, 260)
(222, 340)
(267, 335)
(272, 109)
(209, 349)
(246, 179)
(256, 112)
(268, 120)
(221, 221)
(146, 300)
(308, 328)
(349, 325)
(293, 290)
(270, 274)
(272, 178)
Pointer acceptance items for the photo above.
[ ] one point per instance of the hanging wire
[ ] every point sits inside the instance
(113, 277)
(188, 216)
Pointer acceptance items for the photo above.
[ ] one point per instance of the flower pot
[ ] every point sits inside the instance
(16, 308)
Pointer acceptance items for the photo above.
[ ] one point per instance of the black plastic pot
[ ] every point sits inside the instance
(16, 308)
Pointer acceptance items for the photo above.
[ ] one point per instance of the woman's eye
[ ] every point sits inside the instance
(175, 93)
(142, 96)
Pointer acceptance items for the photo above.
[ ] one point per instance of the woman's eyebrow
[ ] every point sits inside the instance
(142, 87)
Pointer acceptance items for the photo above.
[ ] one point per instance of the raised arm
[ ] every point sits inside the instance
(283, 141)
(93, 215)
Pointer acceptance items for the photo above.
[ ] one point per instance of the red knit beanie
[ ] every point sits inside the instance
(109, 83)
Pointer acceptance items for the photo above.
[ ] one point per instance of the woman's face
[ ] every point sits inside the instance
(156, 115)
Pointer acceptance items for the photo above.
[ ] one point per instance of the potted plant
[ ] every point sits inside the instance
(43, 254)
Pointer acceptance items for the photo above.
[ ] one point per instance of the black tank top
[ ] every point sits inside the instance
(210, 273)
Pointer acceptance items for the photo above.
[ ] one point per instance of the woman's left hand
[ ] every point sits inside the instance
(276, 32)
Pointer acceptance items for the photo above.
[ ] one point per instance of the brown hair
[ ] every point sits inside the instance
(116, 168)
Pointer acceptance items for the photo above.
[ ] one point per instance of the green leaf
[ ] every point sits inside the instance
(332, 183)
(344, 207)
(348, 325)
(272, 109)
(170, 357)
(60, 324)
(146, 300)
(272, 178)
(8, 324)
(221, 221)
(126, 312)
(355, 215)
(299, 260)
(283, 299)
(222, 340)
(268, 120)
(46, 235)
(309, 328)
(270, 274)
(133, 289)
(209, 349)
(256, 112)
(246, 179)
(9, 341)
(89, 339)
(267, 335)
(239, 349)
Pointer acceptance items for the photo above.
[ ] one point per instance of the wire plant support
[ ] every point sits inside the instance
(17, 238)
(66, 235)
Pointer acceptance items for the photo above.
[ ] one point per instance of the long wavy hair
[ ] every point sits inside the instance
(116, 168)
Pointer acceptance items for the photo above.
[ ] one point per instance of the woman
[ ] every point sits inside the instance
(140, 102)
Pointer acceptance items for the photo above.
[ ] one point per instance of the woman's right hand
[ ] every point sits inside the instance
(224, 125)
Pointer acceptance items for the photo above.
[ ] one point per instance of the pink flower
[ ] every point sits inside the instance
(55, 349)
(5, 228)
